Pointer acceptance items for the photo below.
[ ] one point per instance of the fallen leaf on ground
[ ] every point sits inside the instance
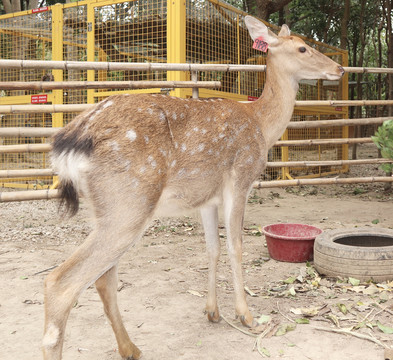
(353, 281)
(342, 308)
(309, 312)
(385, 329)
(284, 328)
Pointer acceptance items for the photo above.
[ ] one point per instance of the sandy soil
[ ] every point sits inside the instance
(163, 279)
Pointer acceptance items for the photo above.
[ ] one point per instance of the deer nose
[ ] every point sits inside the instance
(342, 71)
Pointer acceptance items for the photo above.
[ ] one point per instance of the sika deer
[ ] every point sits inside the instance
(162, 155)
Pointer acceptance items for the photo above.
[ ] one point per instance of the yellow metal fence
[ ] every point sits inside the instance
(160, 31)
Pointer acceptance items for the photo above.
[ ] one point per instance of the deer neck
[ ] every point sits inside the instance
(275, 106)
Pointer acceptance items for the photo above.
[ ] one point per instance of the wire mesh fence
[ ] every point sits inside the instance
(160, 31)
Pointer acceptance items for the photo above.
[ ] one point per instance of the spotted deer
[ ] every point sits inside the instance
(136, 157)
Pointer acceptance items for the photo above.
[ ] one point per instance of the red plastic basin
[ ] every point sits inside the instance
(291, 242)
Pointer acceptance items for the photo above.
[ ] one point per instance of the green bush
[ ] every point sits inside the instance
(383, 138)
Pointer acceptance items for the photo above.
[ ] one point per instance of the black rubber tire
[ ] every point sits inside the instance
(361, 262)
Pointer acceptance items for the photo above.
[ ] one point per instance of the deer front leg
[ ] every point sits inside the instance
(107, 288)
(209, 216)
(234, 206)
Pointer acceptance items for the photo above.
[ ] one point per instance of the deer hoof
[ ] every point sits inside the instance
(248, 322)
(213, 316)
(135, 355)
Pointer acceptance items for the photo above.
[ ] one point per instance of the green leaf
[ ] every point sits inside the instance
(265, 351)
(384, 329)
(375, 221)
(264, 319)
(292, 291)
(283, 329)
(384, 297)
(302, 321)
(353, 281)
(342, 308)
(290, 280)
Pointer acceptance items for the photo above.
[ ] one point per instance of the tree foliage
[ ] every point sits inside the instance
(364, 28)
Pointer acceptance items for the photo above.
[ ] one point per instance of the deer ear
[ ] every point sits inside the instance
(285, 31)
(258, 29)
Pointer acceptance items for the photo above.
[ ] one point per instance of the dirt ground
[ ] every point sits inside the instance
(163, 281)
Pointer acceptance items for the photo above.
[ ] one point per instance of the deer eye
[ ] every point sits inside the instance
(302, 49)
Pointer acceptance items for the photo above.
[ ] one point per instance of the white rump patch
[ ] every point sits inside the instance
(131, 135)
(70, 166)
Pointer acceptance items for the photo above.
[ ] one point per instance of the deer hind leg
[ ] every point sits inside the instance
(209, 216)
(107, 288)
(100, 252)
(234, 206)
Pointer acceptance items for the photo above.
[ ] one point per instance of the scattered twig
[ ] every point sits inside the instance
(385, 309)
(236, 327)
(348, 332)
(45, 270)
(283, 315)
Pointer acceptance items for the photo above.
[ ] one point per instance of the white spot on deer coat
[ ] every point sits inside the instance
(162, 116)
(151, 161)
(201, 147)
(183, 147)
(174, 116)
(114, 145)
(131, 135)
(146, 139)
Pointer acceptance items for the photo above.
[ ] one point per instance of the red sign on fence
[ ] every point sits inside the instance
(41, 9)
(39, 99)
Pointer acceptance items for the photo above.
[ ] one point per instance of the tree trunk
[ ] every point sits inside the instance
(359, 85)
(344, 25)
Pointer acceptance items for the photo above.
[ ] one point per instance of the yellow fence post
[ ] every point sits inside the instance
(176, 41)
(90, 48)
(57, 54)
